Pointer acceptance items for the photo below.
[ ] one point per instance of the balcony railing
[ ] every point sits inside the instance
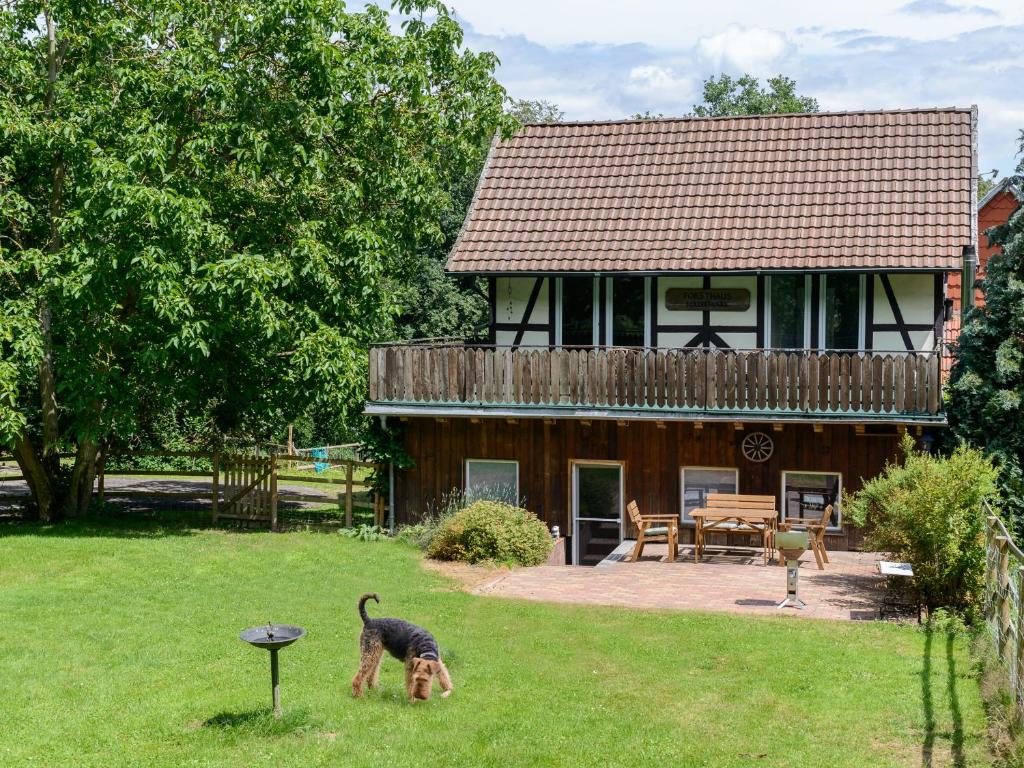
(799, 383)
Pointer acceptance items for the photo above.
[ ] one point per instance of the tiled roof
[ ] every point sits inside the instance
(876, 190)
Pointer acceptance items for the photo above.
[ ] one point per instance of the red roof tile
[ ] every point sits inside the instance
(875, 190)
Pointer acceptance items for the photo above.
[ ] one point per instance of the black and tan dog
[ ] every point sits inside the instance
(413, 645)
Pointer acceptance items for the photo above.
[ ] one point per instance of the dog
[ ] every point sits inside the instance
(407, 642)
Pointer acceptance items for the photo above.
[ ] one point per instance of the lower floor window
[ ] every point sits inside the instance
(806, 494)
(698, 482)
(492, 479)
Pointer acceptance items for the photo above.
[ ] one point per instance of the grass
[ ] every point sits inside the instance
(120, 648)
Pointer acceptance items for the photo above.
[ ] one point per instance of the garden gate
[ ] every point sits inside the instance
(249, 488)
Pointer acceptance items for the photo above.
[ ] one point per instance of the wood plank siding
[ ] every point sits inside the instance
(653, 453)
(672, 382)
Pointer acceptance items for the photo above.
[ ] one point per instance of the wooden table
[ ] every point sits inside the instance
(763, 521)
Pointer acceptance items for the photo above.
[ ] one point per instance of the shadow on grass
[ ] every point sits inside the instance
(957, 737)
(136, 524)
(261, 722)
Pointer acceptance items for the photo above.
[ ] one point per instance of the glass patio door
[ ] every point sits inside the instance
(596, 511)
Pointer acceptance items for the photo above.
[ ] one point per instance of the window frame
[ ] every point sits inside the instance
(767, 320)
(683, 520)
(466, 475)
(837, 507)
(862, 310)
(609, 309)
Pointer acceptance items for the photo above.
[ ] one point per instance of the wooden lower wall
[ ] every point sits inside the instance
(653, 457)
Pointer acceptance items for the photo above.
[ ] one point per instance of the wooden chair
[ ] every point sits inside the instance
(816, 533)
(739, 502)
(653, 528)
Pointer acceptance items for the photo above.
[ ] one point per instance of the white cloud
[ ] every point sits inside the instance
(658, 81)
(944, 6)
(671, 24)
(741, 49)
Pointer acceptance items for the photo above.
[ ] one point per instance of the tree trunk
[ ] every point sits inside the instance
(47, 383)
(83, 475)
(40, 482)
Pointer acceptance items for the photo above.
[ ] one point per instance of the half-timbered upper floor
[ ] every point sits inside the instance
(891, 312)
(802, 265)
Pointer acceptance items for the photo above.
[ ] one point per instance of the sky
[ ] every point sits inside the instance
(608, 59)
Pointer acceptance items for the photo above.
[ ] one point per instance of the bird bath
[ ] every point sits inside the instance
(273, 637)
(792, 544)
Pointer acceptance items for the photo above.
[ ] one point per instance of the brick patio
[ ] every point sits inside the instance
(737, 582)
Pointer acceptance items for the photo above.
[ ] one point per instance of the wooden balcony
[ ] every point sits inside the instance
(656, 383)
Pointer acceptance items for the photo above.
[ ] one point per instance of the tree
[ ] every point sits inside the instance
(535, 111)
(745, 96)
(207, 201)
(986, 390)
(986, 184)
(433, 303)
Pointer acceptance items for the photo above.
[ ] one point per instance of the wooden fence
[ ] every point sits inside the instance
(242, 488)
(1004, 587)
(670, 379)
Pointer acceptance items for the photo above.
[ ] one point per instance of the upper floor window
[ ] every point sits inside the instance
(628, 310)
(842, 315)
(788, 308)
(578, 311)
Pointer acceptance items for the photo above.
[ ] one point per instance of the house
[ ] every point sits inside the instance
(994, 210)
(686, 306)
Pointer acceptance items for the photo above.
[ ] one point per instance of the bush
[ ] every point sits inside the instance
(928, 511)
(491, 530)
(365, 533)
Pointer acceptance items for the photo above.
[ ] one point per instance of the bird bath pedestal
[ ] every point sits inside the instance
(792, 544)
(273, 637)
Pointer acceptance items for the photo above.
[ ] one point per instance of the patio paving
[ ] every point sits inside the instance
(848, 589)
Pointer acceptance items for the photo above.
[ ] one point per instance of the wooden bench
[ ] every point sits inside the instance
(731, 513)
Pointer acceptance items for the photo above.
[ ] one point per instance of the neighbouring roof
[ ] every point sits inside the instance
(875, 190)
(1007, 184)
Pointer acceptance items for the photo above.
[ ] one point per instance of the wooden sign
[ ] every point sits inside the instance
(707, 299)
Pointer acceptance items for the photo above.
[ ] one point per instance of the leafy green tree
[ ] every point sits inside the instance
(987, 182)
(986, 390)
(724, 95)
(535, 111)
(206, 201)
(433, 303)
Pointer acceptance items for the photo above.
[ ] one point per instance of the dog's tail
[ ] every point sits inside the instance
(362, 605)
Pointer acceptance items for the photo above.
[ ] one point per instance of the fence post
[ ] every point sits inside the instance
(1003, 636)
(215, 486)
(102, 480)
(273, 492)
(990, 575)
(1018, 668)
(348, 494)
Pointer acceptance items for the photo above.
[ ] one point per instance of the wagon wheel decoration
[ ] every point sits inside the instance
(757, 446)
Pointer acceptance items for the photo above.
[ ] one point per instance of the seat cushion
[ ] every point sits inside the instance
(662, 531)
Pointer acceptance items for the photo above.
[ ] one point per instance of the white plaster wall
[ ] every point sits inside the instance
(915, 294)
(512, 295)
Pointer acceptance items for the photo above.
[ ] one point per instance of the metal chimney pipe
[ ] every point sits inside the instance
(970, 269)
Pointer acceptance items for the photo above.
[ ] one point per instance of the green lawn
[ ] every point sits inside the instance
(120, 648)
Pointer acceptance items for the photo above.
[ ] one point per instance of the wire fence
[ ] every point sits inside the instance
(1004, 586)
